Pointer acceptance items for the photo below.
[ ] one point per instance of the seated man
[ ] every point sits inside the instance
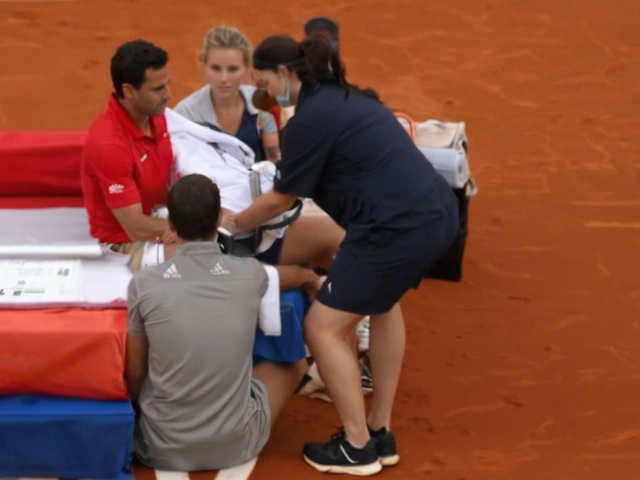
(189, 347)
(127, 156)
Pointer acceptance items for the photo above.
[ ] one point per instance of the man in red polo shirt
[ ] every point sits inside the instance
(127, 157)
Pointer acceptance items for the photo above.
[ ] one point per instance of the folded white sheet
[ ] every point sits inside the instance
(89, 283)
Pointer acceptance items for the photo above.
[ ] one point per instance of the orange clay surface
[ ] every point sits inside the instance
(529, 368)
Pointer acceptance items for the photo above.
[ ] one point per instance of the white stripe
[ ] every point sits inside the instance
(347, 456)
(166, 475)
(241, 472)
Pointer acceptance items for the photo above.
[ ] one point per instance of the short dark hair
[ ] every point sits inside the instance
(194, 207)
(131, 61)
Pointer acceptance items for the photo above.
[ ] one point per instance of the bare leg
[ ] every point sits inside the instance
(311, 240)
(328, 333)
(386, 352)
(281, 381)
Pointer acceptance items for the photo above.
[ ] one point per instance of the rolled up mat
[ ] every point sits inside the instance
(42, 233)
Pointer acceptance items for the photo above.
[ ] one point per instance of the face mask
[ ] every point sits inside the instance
(284, 99)
(334, 45)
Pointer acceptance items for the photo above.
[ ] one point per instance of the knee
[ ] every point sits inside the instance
(312, 329)
(321, 329)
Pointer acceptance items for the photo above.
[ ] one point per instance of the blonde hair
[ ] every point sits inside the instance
(224, 36)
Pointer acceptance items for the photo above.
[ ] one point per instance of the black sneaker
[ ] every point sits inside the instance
(385, 446)
(338, 456)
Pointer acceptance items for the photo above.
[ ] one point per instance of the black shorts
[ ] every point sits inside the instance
(371, 279)
(271, 255)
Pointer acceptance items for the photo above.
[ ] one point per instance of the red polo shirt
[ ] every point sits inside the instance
(120, 167)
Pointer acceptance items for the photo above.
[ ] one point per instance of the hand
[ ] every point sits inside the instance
(229, 221)
(167, 237)
(312, 283)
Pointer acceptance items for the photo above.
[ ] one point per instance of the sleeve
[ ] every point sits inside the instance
(305, 151)
(182, 108)
(267, 123)
(189, 107)
(113, 167)
(135, 323)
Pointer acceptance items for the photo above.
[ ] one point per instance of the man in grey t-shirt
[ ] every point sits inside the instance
(191, 328)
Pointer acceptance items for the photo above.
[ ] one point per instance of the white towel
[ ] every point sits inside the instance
(193, 154)
(239, 150)
(153, 254)
(269, 319)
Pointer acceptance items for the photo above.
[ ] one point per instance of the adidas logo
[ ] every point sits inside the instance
(218, 270)
(171, 272)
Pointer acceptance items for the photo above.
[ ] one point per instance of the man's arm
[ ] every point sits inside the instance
(136, 364)
(139, 226)
(113, 166)
(293, 276)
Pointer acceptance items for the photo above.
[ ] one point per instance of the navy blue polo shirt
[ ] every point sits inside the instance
(354, 159)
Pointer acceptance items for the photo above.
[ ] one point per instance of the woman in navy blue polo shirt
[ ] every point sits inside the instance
(344, 149)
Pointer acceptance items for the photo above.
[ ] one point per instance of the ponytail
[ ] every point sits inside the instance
(322, 62)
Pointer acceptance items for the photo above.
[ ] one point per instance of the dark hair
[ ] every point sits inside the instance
(324, 26)
(312, 59)
(131, 61)
(194, 207)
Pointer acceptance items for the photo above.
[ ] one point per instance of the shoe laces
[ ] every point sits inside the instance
(340, 434)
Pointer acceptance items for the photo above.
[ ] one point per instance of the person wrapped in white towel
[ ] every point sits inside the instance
(309, 241)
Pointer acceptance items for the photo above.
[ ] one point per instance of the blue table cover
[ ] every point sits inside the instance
(65, 438)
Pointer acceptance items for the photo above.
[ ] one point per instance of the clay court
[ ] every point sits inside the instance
(530, 367)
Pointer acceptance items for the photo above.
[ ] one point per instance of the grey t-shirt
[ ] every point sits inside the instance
(199, 311)
(198, 108)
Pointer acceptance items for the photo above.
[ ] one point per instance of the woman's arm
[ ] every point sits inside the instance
(265, 207)
(270, 136)
(271, 144)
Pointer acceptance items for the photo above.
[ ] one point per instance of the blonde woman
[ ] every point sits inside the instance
(225, 102)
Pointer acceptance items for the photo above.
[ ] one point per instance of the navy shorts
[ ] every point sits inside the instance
(271, 256)
(370, 279)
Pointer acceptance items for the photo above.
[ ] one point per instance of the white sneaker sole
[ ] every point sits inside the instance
(389, 461)
(362, 332)
(357, 470)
